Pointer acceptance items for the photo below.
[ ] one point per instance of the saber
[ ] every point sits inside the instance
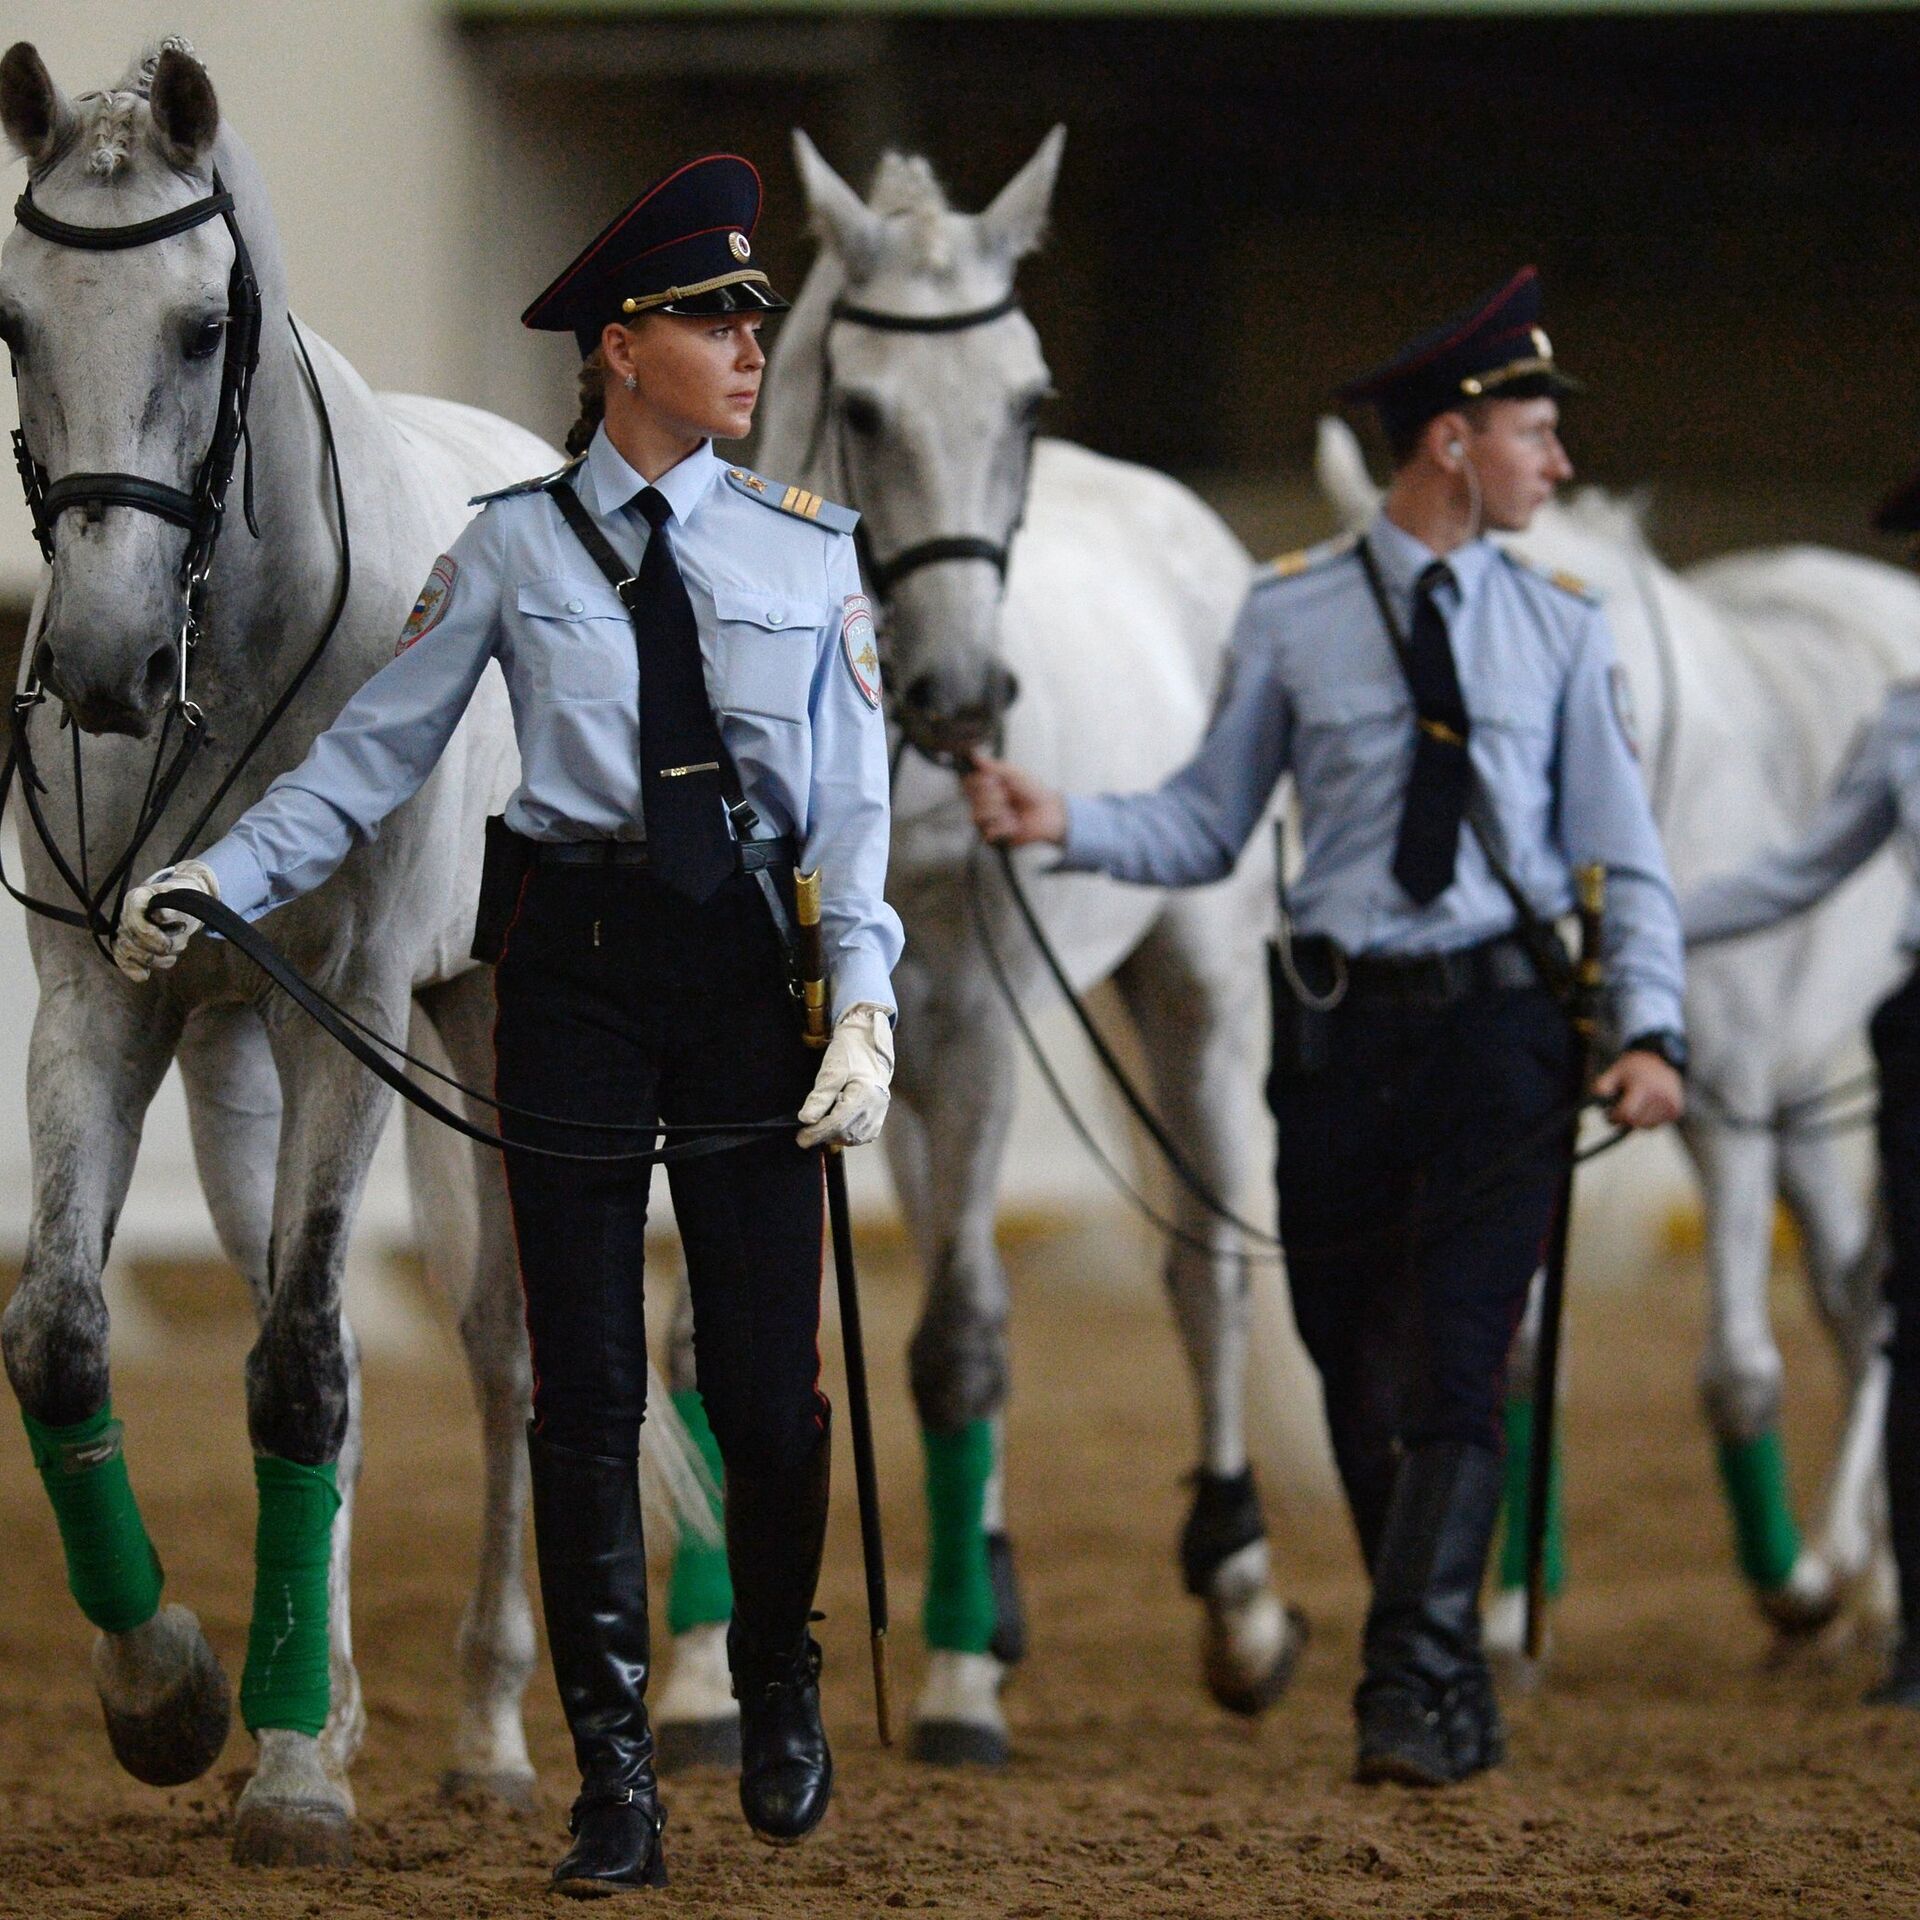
(1584, 1010)
(866, 1478)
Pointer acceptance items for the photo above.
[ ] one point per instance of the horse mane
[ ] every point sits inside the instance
(796, 378)
(115, 111)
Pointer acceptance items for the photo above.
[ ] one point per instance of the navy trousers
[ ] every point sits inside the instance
(621, 1001)
(1419, 1169)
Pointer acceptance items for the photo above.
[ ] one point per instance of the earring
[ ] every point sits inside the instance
(630, 383)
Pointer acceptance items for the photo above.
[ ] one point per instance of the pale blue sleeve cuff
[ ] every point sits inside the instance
(860, 975)
(1646, 1009)
(240, 877)
(1091, 838)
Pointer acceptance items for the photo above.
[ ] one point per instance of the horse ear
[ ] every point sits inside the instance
(840, 217)
(186, 112)
(1014, 224)
(38, 118)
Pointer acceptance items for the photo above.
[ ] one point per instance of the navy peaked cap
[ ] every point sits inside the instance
(685, 245)
(1496, 350)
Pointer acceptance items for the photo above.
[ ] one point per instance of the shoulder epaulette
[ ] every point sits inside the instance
(1289, 566)
(1554, 577)
(536, 485)
(794, 500)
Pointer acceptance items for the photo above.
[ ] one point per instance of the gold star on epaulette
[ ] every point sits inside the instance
(747, 479)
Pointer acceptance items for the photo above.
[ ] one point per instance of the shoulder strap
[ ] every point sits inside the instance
(1542, 943)
(739, 810)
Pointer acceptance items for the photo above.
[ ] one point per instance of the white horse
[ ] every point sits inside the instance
(120, 357)
(906, 382)
(1750, 677)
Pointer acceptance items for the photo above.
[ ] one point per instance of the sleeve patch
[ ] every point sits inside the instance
(858, 649)
(429, 609)
(1623, 712)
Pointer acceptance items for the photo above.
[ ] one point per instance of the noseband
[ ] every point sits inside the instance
(884, 575)
(201, 509)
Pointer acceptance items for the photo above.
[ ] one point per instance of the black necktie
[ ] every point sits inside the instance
(1442, 778)
(688, 845)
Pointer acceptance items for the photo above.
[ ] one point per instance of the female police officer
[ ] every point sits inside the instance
(683, 739)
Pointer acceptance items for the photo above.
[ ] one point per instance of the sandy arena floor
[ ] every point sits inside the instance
(1669, 1768)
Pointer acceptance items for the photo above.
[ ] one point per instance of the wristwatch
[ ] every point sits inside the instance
(1670, 1046)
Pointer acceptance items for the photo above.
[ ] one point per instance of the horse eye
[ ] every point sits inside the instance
(862, 415)
(205, 339)
(1031, 406)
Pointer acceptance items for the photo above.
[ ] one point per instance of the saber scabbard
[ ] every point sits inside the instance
(1584, 1011)
(813, 994)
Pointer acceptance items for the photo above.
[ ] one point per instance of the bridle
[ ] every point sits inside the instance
(884, 575)
(201, 510)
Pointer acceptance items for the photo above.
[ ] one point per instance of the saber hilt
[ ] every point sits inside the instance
(811, 956)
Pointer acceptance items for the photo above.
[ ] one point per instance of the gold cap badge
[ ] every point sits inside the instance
(740, 245)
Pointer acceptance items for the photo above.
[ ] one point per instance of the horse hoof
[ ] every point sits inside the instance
(1504, 1637)
(165, 1698)
(292, 1833)
(1251, 1654)
(679, 1746)
(696, 1720)
(1806, 1602)
(959, 1743)
(513, 1788)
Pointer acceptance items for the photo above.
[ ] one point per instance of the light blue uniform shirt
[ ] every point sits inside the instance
(1315, 689)
(1876, 796)
(773, 593)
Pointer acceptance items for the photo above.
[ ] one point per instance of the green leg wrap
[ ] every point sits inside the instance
(700, 1593)
(287, 1683)
(1764, 1534)
(1513, 1536)
(958, 1614)
(112, 1568)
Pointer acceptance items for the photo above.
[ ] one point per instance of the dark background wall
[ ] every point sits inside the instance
(1724, 209)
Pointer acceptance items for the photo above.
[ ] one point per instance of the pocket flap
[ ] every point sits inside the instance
(766, 608)
(563, 599)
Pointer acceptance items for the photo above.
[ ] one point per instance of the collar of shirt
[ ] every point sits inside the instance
(1403, 559)
(616, 485)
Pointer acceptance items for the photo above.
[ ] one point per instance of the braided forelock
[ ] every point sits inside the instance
(907, 188)
(113, 128)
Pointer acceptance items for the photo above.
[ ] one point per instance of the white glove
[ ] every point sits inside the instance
(146, 941)
(849, 1098)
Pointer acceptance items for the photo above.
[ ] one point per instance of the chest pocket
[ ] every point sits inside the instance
(577, 639)
(1525, 711)
(1345, 726)
(764, 652)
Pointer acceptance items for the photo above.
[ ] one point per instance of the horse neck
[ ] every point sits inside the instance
(792, 445)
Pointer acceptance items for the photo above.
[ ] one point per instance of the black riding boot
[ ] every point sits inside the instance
(1426, 1708)
(593, 1585)
(775, 1533)
(1901, 1687)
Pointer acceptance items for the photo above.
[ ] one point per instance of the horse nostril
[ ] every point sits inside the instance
(162, 663)
(920, 696)
(43, 662)
(1006, 688)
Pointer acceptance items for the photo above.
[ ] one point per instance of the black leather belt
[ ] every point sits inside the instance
(755, 855)
(1494, 966)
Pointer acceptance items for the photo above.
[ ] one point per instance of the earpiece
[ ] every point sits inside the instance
(1455, 449)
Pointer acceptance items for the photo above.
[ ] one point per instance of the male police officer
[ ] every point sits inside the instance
(1452, 722)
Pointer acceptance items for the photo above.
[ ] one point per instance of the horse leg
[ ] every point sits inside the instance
(1846, 1254)
(1740, 1377)
(95, 1061)
(297, 1810)
(1195, 1028)
(477, 1270)
(1504, 1632)
(957, 1078)
(696, 1720)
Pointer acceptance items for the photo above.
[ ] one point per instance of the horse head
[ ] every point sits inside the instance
(929, 386)
(117, 348)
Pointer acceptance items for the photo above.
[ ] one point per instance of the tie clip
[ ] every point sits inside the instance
(1439, 730)
(704, 766)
